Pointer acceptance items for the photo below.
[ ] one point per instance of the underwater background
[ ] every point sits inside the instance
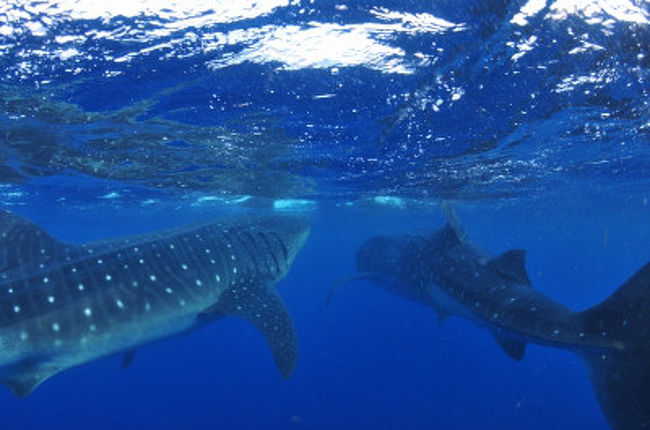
(531, 117)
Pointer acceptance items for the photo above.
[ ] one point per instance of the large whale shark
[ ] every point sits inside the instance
(445, 270)
(62, 305)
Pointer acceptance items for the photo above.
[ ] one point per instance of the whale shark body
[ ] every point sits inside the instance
(448, 272)
(62, 305)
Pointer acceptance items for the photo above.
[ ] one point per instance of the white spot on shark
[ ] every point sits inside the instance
(109, 277)
(198, 283)
(153, 278)
(55, 326)
(119, 304)
(24, 336)
(50, 299)
(88, 312)
(46, 280)
(184, 266)
(16, 308)
(80, 287)
(168, 290)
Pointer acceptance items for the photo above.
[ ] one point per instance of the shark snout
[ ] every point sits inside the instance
(376, 255)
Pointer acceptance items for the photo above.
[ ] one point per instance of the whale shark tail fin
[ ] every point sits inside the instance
(621, 377)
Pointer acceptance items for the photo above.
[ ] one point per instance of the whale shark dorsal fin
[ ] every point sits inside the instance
(453, 222)
(449, 237)
(514, 347)
(511, 264)
(24, 243)
(262, 307)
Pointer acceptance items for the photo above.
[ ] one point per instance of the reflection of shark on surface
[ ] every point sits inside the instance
(454, 276)
(62, 305)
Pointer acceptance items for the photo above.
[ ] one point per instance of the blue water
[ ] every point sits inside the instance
(531, 117)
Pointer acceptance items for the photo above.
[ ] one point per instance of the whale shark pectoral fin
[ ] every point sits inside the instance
(442, 317)
(26, 377)
(512, 346)
(127, 358)
(511, 264)
(262, 307)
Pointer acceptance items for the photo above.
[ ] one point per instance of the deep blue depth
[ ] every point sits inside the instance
(369, 360)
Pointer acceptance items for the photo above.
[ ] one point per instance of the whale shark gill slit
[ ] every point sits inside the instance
(271, 252)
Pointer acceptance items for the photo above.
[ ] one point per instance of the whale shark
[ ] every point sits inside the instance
(447, 271)
(63, 304)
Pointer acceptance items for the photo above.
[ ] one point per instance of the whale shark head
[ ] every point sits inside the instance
(384, 261)
(378, 255)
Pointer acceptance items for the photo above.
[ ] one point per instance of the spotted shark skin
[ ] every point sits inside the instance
(446, 271)
(62, 305)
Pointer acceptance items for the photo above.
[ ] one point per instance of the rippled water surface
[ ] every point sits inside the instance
(328, 100)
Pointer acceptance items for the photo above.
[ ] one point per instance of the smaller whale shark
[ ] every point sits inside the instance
(63, 305)
(446, 271)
